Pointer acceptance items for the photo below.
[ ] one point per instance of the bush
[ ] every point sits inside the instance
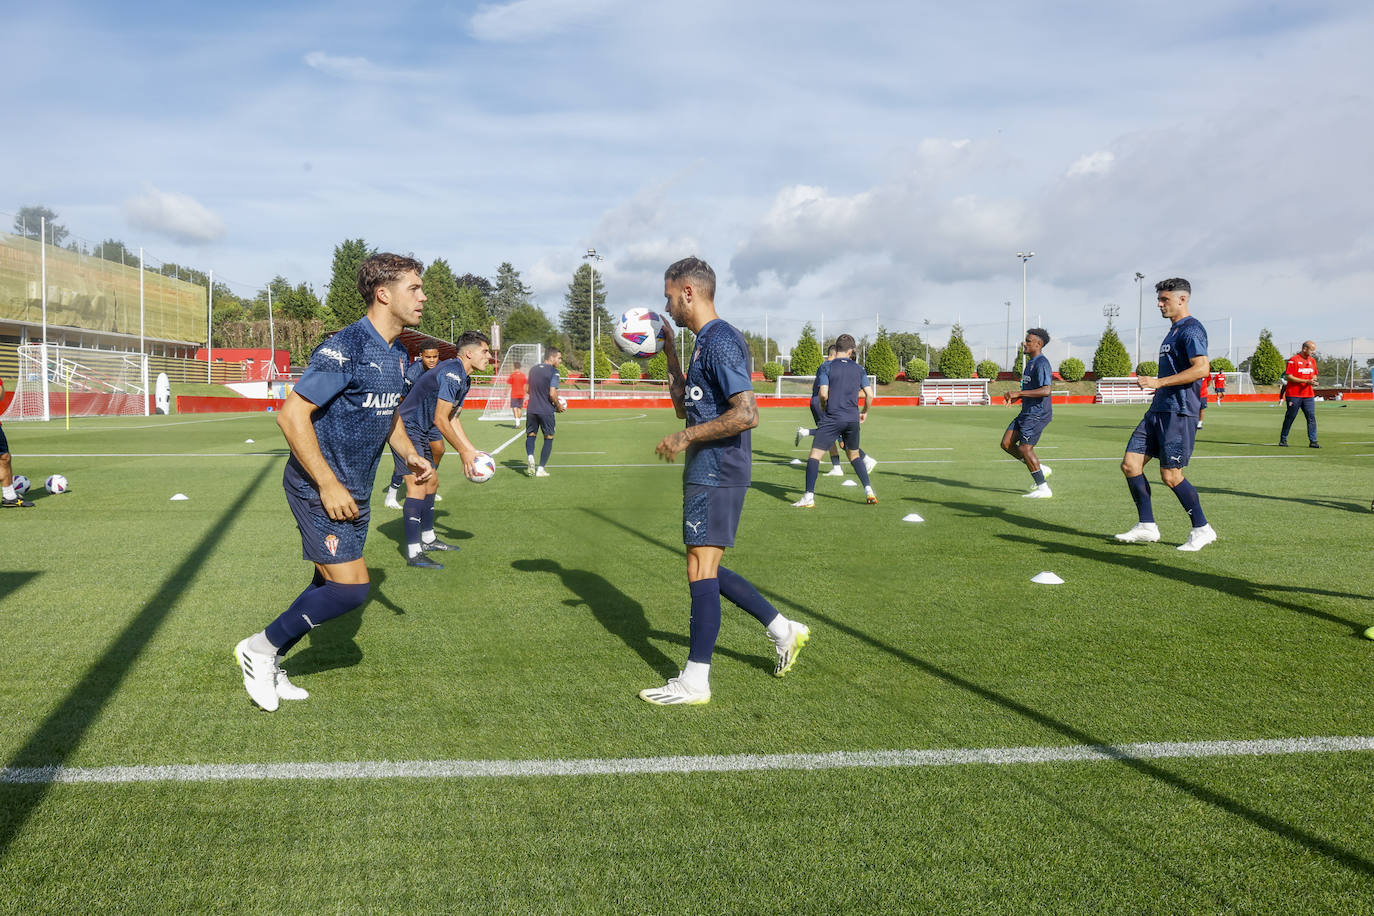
(771, 371)
(1111, 359)
(1072, 369)
(630, 371)
(1222, 364)
(957, 360)
(657, 368)
(1147, 367)
(917, 370)
(806, 355)
(1266, 366)
(881, 361)
(988, 369)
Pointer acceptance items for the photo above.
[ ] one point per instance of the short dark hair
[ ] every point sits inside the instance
(427, 347)
(1174, 285)
(831, 350)
(468, 338)
(844, 343)
(381, 269)
(695, 270)
(1041, 333)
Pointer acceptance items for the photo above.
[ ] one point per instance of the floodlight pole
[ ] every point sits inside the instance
(43, 283)
(1139, 311)
(142, 346)
(209, 327)
(1011, 367)
(271, 342)
(591, 257)
(1024, 256)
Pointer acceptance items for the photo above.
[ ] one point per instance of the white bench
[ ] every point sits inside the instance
(1122, 391)
(955, 391)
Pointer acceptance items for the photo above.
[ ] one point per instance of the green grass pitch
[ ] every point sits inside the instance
(119, 610)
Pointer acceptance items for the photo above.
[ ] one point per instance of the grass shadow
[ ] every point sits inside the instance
(11, 582)
(53, 742)
(1329, 502)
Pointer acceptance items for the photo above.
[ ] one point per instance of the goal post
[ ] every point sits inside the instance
(791, 386)
(65, 381)
(497, 392)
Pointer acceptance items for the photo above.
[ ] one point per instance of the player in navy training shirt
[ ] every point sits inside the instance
(845, 382)
(716, 398)
(430, 412)
(543, 404)
(336, 420)
(429, 358)
(1036, 412)
(1170, 425)
(818, 413)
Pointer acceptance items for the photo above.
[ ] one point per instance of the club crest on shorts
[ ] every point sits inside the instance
(331, 544)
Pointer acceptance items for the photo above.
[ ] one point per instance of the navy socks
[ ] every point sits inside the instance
(705, 625)
(313, 607)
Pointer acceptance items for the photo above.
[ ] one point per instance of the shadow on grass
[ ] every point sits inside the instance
(11, 582)
(53, 742)
(1292, 833)
(394, 530)
(1329, 502)
(336, 645)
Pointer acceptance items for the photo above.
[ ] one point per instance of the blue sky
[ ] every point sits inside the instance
(866, 162)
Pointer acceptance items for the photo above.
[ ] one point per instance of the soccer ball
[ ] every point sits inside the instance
(640, 333)
(562, 403)
(21, 484)
(56, 484)
(483, 466)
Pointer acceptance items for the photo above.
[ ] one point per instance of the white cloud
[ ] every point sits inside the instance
(525, 20)
(176, 216)
(1098, 163)
(359, 69)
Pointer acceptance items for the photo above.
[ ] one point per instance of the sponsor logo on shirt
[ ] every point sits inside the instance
(385, 401)
(333, 354)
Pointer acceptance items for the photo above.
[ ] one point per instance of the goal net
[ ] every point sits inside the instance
(78, 382)
(791, 386)
(524, 356)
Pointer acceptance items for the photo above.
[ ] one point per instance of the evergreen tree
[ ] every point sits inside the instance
(288, 302)
(1111, 359)
(470, 311)
(529, 324)
(917, 369)
(988, 369)
(1266, 366)
(510, 293)
(114, 250)
(806, 355)
(1222, 364)
(573, 319)
(657, 367)
(343, 303)
(29, 219)
(882, 362)
(441, 294)
(957, 359)
(1072, 369)
(1020, 365)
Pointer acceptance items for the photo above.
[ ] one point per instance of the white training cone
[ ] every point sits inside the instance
(796, 461)
(247, 441)
(178, 496)
(850, 483)
(1047, 578)
(913, 517)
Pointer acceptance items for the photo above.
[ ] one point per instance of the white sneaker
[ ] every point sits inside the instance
(1199, 538)
(259, 675)
(808, 501)
(287, 690)
(675, 693)
(1142, 533)
(391, 502)
(1042, 491)
(870, 463)
(529, 462)
(540, 472)
(1045, 469)
(802, 433)
(438, 497)
(870, 497)
(835, 471)
(798, 635)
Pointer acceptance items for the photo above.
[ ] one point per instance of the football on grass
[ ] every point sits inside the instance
(56, 484)
(639, 333)
(21, 484)
(483, 466)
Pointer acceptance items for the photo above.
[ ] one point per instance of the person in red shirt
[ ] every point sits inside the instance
(1298, 377)
(518, 384)
(1202, 407)
(1219, 386)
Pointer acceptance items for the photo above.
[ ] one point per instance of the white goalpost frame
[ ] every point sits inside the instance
(114, 377)
(806, 381)
(498, 393)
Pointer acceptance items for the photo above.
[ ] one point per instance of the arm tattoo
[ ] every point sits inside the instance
(742, 415)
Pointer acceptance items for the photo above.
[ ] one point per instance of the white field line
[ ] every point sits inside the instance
(86, 428)
(733, 763)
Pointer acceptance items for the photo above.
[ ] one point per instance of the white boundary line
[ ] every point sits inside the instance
(733, 763)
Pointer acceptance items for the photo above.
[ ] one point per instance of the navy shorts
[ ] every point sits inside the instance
(710, 515)
(4, 443)
(517, 403)
(831, 431)
(1027, 430)
(534, 422)
(324, 540)
(426, 452)
(1168, 437)
(817, 416)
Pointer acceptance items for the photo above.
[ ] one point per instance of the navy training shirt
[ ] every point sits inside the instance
(822, 378)
(355, 380)
(719, 370)
(542, 378)
(1038, 374)
(1186, 340)
(414, 371)
(847, 379)
(447, 381)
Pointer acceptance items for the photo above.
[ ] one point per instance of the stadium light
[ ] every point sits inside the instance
(1024, 256)
(1011, 367)
(591, 257)
(1139, 311)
